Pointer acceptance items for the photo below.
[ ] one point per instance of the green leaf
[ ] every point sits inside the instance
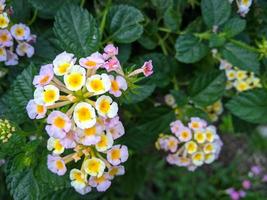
(172, 19)
(76, 30)
(216, 40)
(123, 23)
(207, 87)
(137, 94)
(250, 106)
(48, 8)
(161, 5)
(157, 121)
(240, 57)
(189, 49)
(22, 184)
(215, 12)
(234, 26)
(22, 11)
(13, 103)
(147, 42)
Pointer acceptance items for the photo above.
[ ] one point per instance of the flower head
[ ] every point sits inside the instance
(46, 95)
(4, 20)
(84, 115)
(35, 111)
(94, 167)
(45, 76)
(20, 31)
(93, 61)
(58, 124)
(63, 62)
(5, 38)
(74, 79)
(98, 84)
(148, 68)
(117, 85)
(117, 154)
(56, 165)
(106, 107)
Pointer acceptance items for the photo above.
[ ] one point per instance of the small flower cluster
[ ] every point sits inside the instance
(15, 40)
(191, 146)
(239, 79)
(6, 130)
(214, 110)
(85, 118)
(254, 179)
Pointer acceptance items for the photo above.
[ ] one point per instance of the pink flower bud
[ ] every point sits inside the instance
(148, 68)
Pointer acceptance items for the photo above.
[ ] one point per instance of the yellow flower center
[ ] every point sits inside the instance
(198, 157)
(97, 85)
(103, 141)
(195, 125)
(99, 180)
(19, 32)
(184, 134)
(93, 166)
(104, 106)
(115, 154)
(2, 51)
(90, 63)
(44, 79)
(84, 114)
(208, 148)
(191, 147)
(113, 171)
(78, 176)
(75, 79)
(59, 164)
(4, 37)
(90, 131)
(3, 21)
(49, 96)
(171, 144)
(59, 122)
(39, 109)
(115, 85)
(62, 68)
(58, 146)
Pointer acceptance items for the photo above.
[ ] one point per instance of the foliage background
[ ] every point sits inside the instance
(177, 35)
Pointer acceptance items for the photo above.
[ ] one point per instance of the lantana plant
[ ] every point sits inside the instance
(78, 99)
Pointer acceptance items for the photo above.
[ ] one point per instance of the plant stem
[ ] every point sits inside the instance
(162, 45)
(104, 18)
(243, 45)
(82, 3)
(33, 17)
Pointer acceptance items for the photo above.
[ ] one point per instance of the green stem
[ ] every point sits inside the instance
(104, 18)
(166, 30)
(244, 46)
(162, 45)
(82, 3)
(33, 17)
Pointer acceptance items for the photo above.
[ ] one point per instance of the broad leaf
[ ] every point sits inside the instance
(207, 88)
(250, 106)
(234, 26)
(189, 49)
(76, 30)
(123, 23)
(241, 58)
(215, 12)
(48, 8)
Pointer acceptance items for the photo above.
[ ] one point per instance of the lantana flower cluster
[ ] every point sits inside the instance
(190, 146)
(82, 116)
(15, 39)
(241, 80)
